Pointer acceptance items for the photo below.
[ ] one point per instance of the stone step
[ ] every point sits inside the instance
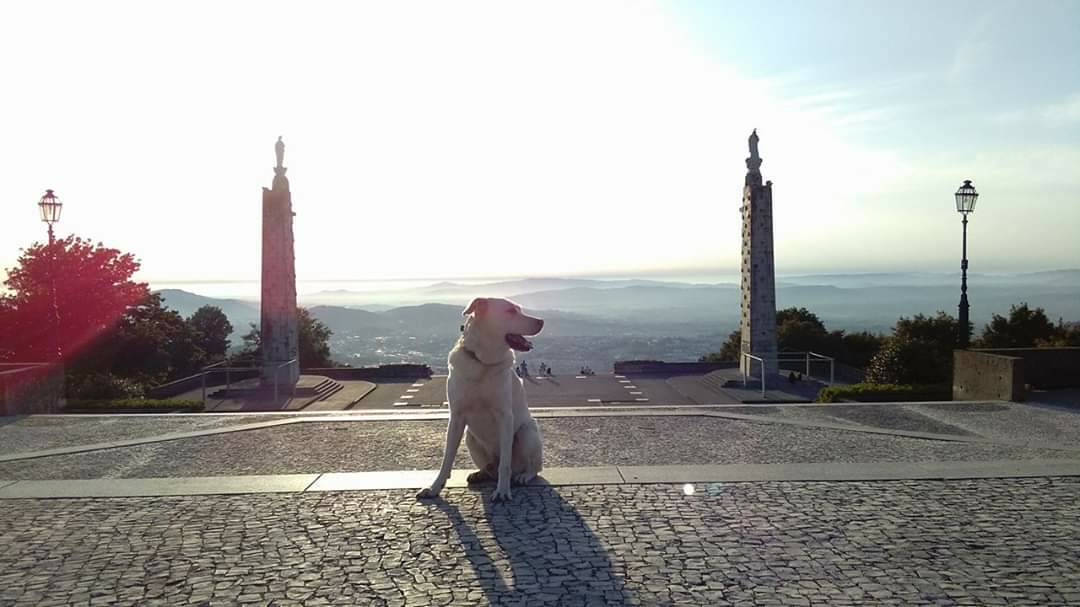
(331, 390)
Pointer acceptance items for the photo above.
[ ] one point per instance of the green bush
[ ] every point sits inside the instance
(878, 393)
(132, 404)
(904, 361)
(102, 386)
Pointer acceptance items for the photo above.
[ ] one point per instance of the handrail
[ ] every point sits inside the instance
(277, 369)
(832, 365)
(747, 366)
(244, 366)
(805, 358)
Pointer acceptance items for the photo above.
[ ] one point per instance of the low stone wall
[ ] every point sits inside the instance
(27, 388)
(659, 367)
(1046, 368)
(382, 372)
(980, 375)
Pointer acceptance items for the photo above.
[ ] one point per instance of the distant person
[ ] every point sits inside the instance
(543, 370)
(524, 369)
(550, 373)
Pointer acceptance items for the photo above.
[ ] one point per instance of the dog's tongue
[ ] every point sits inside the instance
(518, 342)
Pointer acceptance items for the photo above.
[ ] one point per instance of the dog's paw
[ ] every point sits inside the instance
(427, 493)
(501, 495)
(522, 479)
(480, 476)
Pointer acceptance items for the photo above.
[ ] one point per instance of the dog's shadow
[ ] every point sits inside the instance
(541, 545)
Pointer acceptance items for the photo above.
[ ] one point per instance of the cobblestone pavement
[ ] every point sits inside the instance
(980, 542)
(316, 447)
(34, 433)
(1009, 420)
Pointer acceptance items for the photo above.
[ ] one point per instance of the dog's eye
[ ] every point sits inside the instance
(512, 311)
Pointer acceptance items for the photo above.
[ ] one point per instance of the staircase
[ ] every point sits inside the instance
(309, 389)
(323, 390)
(718, 380)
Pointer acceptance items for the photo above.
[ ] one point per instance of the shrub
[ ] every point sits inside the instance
(102, 386)
(877, 393)
(910, 361)
(104, 404)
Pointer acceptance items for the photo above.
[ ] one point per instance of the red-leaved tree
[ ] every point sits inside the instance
(93, 289)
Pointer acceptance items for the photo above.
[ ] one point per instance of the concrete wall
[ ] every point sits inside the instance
(659, 367)
(986, 376)
(1046, 368)
(380, 373)
(27, 388)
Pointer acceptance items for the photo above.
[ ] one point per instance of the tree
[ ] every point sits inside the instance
(149, 344)
(918, 352)
(907, 361)
(1024, 328)
(314, 346)
(1065, 335)
(728, 352)
(314, 341)
(793, 314)
(211, 330)
(800, 330)
(941, 329)
(93, 289)
(252, 349)
(859, 348)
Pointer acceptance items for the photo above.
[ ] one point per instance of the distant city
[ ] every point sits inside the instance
(593, 322)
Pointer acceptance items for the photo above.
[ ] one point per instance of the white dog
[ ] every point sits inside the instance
(487, 399)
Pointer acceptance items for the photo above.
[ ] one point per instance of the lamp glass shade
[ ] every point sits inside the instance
(50, 207)
(966, 197)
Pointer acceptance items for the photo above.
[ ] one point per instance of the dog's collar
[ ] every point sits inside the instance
(473, 356)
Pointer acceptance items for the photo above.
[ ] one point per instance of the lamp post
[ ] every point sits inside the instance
(50, 207)
(965, 203)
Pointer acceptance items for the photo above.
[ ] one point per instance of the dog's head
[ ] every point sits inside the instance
(502, 319)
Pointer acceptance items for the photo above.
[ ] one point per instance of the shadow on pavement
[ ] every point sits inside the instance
(544, 552)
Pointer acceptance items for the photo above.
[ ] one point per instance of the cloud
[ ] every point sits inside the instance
(1063, 113)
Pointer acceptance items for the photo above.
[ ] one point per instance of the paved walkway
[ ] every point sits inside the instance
(977, 542)
(912, 504)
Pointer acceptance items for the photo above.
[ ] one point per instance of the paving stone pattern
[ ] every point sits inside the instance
(980, 542)
(1009, 421)
(19, 435)
(317, 447)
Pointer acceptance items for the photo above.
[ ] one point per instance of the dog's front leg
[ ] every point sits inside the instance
(506, 452)
(455, 428)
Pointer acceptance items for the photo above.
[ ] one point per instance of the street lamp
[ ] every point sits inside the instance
(965, 203)
(50, 207)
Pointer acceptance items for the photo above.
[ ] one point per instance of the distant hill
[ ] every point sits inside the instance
(1051, 278)
(351, 320)
(240, 313)
(584, 307)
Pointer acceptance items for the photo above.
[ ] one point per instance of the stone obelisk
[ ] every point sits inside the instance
(279, 333)
(758, 274)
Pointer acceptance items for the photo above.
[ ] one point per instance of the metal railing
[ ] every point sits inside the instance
(807, 358)
(229, 366)
(277, 370)
(746, 358)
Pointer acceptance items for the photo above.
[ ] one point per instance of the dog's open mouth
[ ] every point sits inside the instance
(518, 342)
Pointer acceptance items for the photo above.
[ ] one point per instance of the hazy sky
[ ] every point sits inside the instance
(451, 138)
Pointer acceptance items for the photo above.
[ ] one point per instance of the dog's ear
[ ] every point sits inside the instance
(477, 306)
